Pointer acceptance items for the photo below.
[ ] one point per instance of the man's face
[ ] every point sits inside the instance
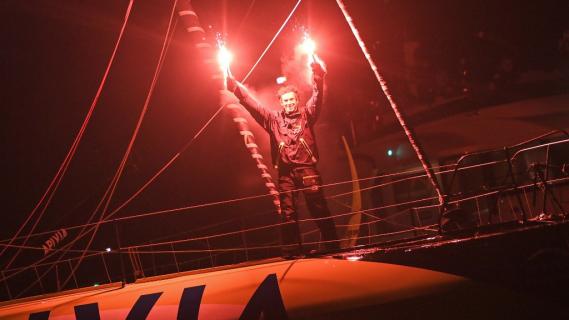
(289, 102)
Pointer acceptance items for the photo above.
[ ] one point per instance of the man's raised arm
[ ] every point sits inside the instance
(260, 113)
(314, 104)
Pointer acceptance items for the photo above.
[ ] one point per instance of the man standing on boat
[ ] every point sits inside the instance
(295, 155)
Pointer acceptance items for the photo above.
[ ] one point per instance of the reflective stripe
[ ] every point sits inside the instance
(251, 145)
(239, 120)
(246, 133)
(203, 45)
(256, 156)
(195, 29)
(187, 13)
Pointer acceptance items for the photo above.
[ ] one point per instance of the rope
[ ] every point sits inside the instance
(271, 42)
(276, 225)
(112, 187)
(175, 157)
(109, 191)
(336, 216)
(312, 219)
(234, 200)
(410, 136)
(82, 233)
(55, 182)
(277, 246)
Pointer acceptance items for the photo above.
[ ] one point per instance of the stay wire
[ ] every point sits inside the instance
(120, 170)
(271, 42)
(189, 143)
(66, 247)
(55, 182)
(84, 226)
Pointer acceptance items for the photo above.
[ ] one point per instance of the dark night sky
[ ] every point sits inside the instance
(54, 54)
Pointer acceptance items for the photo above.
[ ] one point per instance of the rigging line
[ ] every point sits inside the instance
(42, 248)
(218, 235)
(46, 264)
(383, 84)
(39, 278)
(428, 227)
(249, 9)
(222, 202)
(379, 219)
(206, 124)
(65, 164)
(84, 226)
(120, 170)
(272, 41)
(159, 172)
(61, 250)
(233, 249)
(228, 233)
(210, 226)
(81, 233)
(274, 225)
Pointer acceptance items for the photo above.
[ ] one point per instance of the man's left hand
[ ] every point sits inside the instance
(317, 69)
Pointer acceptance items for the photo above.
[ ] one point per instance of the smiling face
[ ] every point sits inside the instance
(289, 102)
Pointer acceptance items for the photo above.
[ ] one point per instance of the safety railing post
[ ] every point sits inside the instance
(514, 182)
(105, 266)
(73, 274)
(244, 240)
(209, 250)
(57, 282)
(545, 178)
(39, 279)
(6, 285)
(175, 258)
(120, 251)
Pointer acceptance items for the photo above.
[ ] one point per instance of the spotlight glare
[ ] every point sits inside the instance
(281, 80)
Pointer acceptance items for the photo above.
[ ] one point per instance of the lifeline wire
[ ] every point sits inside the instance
(234, 200)
(376, 219)
(365, 211)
